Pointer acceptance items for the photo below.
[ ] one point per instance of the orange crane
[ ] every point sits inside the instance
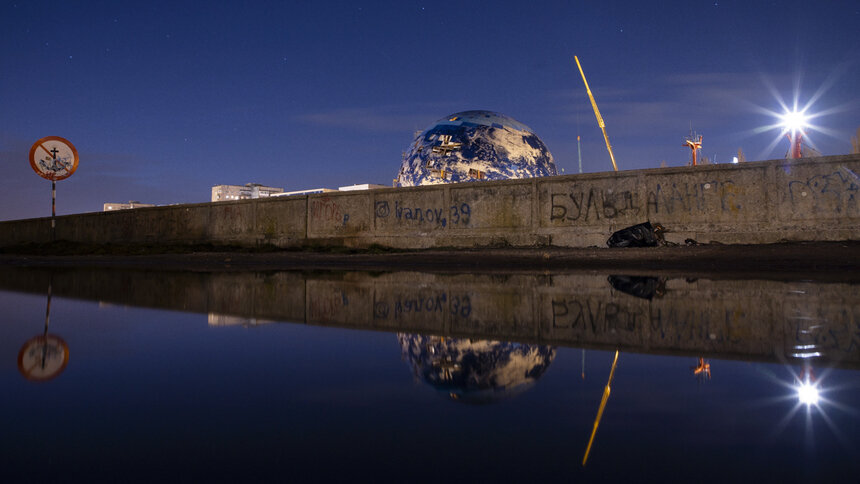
(597, 114)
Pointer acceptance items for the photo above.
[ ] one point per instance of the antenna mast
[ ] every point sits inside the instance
(695, 144)
(579, 151)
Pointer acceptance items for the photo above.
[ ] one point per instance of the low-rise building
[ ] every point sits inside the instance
(362, 186)
(309, 191)
(221, 193)
(109, 207)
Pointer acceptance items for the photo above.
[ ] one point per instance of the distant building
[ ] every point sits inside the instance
(311, 191)
(305, 192)
(221, 193)
(363, 186)
(216, 319)
(109, 207)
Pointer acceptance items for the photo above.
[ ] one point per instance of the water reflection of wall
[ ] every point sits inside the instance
(758, 319)
(749, 319)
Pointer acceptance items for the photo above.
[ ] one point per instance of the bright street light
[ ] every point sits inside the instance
(794, 121)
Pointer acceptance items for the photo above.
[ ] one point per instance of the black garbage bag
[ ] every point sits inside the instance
(640, 235)
(640, 286)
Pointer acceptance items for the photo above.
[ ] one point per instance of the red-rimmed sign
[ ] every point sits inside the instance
(54, 158)
(43, 357)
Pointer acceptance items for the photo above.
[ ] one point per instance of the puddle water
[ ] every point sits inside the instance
(408, 376)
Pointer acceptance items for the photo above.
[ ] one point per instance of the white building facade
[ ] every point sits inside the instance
(222, 193)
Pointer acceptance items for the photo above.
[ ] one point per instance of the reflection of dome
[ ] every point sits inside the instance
(475, 371)
(474, 145)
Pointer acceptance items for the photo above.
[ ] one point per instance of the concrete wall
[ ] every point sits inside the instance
(737, 319)
(762, 202)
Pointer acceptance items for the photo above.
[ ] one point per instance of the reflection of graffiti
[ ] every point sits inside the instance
(461, 307)
(380, 310)
(596, 204)
(673, 324)
(458, 306)
(599, 316)
(690, 197)
(430, 304)
(327, 210)
(835, 188)
(325, 307)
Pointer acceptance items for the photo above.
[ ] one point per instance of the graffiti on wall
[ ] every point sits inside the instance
(694, 197)
(837, 191)
(327, 210)
(592, 204)
(456, 214)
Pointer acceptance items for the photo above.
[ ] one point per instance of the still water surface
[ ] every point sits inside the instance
(419, 377)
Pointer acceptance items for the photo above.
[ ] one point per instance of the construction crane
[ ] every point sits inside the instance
(603, 400)
(597, 114)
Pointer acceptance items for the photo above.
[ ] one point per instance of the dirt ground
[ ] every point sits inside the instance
(822, 261)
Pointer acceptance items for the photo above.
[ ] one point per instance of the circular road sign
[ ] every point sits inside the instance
(54, 158)
(43, 357)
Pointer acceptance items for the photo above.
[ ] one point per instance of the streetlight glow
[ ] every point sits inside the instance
(794, 121)
(808, 394)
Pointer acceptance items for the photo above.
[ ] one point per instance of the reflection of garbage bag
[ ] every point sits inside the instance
(639, 286)
(641, 235)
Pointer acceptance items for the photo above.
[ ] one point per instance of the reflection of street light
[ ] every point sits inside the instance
(807, 393)
(807, 387)
(793, 122)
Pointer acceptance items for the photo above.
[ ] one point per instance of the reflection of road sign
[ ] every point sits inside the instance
(43, 357)
(54, 158)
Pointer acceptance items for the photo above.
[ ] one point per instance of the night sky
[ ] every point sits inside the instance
(165, 99)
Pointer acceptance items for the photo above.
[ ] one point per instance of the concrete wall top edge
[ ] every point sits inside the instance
(717, 167)
(753, 202)
(561, 178)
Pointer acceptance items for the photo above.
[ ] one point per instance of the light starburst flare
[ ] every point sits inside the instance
(796, 120)
(808, 394)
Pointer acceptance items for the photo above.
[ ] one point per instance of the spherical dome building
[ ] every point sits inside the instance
(471, 146)
(475, 371)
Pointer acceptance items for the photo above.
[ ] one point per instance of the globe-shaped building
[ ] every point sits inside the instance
(471, 146)
(475, 371)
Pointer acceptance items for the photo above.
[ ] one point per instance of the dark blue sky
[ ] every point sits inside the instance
(165, 99)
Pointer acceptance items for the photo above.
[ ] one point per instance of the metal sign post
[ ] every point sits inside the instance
(45, 356)
(53, 158)
(53, 209)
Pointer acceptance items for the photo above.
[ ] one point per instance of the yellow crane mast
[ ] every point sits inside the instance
(603, 400)
(597, 114)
